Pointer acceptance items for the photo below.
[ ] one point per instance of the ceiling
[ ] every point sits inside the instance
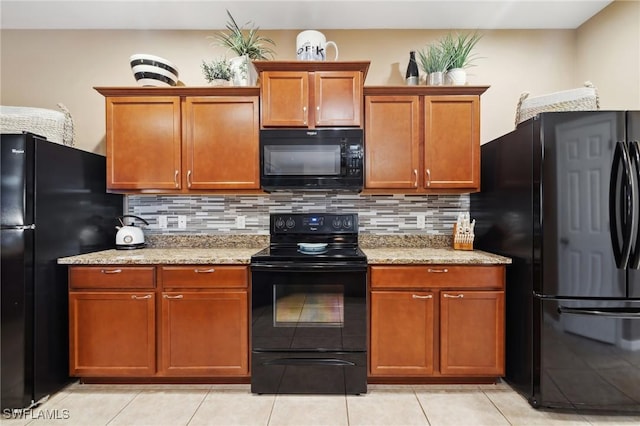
(301, 14)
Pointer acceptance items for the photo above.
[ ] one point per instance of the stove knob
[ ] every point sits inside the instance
(337, 223)
(279, 223)
(291, 223)
(348, 223)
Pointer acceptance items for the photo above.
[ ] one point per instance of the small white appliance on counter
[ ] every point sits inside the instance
(130, 236)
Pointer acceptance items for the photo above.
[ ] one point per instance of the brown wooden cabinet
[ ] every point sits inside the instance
(311, 94)
(437, 321)
(176, 140)
(205, 330)
(190, 321)
(422, 139)
(112, 321)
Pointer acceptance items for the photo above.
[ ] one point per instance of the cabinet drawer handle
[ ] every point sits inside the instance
(417, 296)
(438, 271)
(189, 178)
(111, 271)
(175, 178)
(204, 271)
(166, 296)
(428, 172)
(415, 181)
(147, 296)
(451, 296)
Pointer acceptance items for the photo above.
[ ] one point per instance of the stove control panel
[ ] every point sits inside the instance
(314, 223)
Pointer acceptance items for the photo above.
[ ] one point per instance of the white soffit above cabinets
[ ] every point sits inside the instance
(301, 14)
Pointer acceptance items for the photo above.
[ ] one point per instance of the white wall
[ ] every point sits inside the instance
(43, 68)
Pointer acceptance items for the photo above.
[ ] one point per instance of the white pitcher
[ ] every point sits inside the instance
(312, 45)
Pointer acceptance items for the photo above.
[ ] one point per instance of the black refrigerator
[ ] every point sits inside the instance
(560, 196)
(54, 204)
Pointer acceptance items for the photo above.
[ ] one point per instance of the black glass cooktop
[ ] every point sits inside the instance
(292, 254)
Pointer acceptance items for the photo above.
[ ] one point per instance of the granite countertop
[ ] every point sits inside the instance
(204, 249)
(431, 255)
(154, 256)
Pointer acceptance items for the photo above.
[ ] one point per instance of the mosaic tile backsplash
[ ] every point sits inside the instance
(378, 214)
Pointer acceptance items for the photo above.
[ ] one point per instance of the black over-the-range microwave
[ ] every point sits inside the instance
(312, 159)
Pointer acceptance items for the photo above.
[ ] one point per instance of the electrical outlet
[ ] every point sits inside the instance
(162, 222)
(241, 222)
(182, 222)
(420, 221)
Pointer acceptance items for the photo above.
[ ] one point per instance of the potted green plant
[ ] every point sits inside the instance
(248, 45)
(218, 72)
(458, 49)
(433, 62)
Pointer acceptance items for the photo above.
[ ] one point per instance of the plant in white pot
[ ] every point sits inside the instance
(458, 50)
(433, 62)
(248, 45)
(218, 72)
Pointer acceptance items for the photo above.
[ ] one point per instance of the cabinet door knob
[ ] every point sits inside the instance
(146, 296)
(175, 178)
(189, 178)
(111, 271)
(452, 296)
(179, 296)
(428, 173)
(415, 181)
(204, 271)
(417, 296)
(438, 271)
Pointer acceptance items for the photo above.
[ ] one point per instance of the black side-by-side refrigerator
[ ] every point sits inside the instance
(54, 204)
(561, 196)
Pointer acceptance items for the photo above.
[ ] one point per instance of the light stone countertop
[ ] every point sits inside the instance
(200, 256)
(431, 255)
(156, 256)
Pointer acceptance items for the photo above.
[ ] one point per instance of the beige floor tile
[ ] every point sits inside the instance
(233, 407)
(611, 420)
(385, 407)
(444, 386)
(84, 408)
(519, 412)
(307, 410)
(161, 407)
(460, 408)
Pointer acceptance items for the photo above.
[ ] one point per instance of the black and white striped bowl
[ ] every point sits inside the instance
(151, 70)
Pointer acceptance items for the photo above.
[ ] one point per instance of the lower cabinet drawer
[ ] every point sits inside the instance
(437, 276)
(112, 277)
(204, 276)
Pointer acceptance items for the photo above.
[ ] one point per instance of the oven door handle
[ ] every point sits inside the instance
(309, 361)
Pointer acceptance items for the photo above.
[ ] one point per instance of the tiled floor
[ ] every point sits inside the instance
(95, 405)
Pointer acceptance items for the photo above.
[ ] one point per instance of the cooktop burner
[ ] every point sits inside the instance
(290, 232)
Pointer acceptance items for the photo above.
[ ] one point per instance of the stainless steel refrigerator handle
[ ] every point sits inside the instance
(621, 255)
(634, 153)
(602, 312)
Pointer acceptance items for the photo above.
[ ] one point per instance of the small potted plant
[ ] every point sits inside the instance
(434, 63)
(248, 45)
(218, 72)
(458, 50)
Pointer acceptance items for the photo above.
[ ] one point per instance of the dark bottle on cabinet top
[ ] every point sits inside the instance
(412, 70)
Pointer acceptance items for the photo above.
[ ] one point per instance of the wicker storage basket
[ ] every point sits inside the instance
(580, 99)
(56, 126)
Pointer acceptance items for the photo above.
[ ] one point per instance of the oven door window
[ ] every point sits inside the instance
(304, 306)
(302, 160)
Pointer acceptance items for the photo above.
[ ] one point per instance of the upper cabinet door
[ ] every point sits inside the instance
(221, 142)
(285, 98)
(338, 98)
(452, 142)
(143, 142)
(392, 131)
